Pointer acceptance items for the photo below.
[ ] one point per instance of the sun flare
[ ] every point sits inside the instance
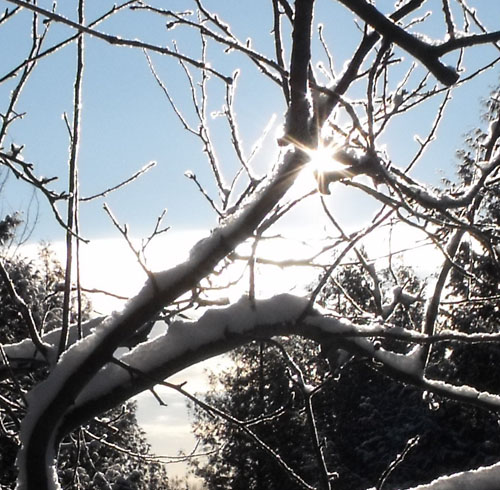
(322, 158)
(321, 161)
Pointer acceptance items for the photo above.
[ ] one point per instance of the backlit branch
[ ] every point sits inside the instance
(426, 53)
(231, 42)
(72, 214)
(118, 41)
(46, 52)
(125, 182)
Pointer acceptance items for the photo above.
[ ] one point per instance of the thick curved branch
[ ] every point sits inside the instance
(41, 423)
(220, 330)
(75, 370)
(426, 53)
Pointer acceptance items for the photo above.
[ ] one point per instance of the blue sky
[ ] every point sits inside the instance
(127, 122)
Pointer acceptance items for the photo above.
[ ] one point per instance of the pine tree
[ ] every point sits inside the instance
(112, 452)
(260, 391)
(364, 419)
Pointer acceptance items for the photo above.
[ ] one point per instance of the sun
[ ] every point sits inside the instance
(321, 161)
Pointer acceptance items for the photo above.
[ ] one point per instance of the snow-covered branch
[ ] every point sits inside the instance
(220, 330)
(365, 303)
(484, 478)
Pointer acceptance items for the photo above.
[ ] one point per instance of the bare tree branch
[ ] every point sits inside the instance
(427, 54)
(118, 41)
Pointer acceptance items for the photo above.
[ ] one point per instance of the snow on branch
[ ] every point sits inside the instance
(426, 53)
(26, 350)
(186, 343)
(484, 478)
(222, 329)
(219, 330)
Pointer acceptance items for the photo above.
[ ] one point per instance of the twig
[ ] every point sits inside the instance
(102, 291)
(431, 311)
(25, 312)
(231, 41)
(327, 52)
(56, 47)
(176, 110)
(28, 176)
(191, 176)
(72, 210)
(351, 72)
(430, 136)
(308, 393)
(28, 69)
(118, 41)
(124, 232)
(235, 137)
(211, 409)
(278, 49)
(449, 19)
(133, 177)
(410, 444)
(156, 231)
(8, 14)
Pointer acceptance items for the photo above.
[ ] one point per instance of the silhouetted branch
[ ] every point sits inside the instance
(117, 41)
(427, 54)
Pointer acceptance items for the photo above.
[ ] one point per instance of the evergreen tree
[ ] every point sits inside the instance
(260, 391)
(112, 452)
(364, 419)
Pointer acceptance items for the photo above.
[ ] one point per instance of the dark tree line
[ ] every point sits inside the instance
(111, 452)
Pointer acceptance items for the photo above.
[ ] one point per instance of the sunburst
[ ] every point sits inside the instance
(322, 161)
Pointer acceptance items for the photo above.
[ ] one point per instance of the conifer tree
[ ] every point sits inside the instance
(112, 452)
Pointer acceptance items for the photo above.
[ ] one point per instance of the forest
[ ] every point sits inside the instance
(339, 160)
